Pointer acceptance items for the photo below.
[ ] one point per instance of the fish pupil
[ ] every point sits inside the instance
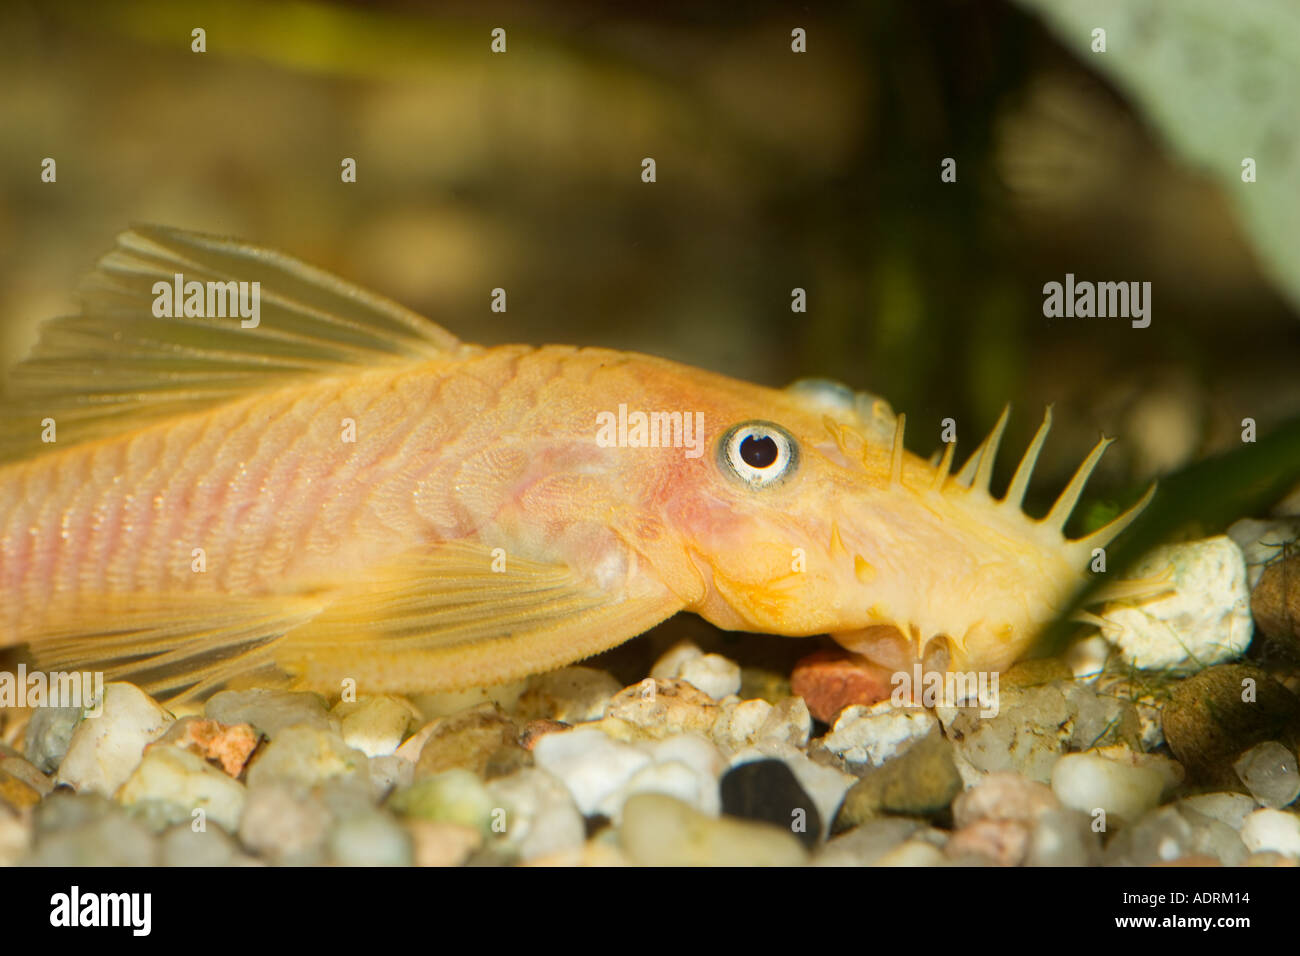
(758, 451)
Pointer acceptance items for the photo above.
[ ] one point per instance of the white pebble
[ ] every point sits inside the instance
(789, 722)
(1204, 621)
(874, 734)
(713, 674)
(1274, 830)
(1229, 808)
(670, 663)
(692, 749)
(1089, 782)
(671, 778)
(104, 750)
(540, 815)
(1087, 657)
(739, 724)
(589, 763)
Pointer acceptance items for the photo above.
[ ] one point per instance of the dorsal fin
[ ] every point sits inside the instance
(117, 365)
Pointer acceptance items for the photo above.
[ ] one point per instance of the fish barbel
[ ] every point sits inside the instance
(344, 490)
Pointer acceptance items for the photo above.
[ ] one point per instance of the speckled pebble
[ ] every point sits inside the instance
(1035, 724)
(104, 750)
(739, 722)
(659, 708)
(790, 722)
(872, 735)
(1210, 719)
(742, 724)
(269, 711)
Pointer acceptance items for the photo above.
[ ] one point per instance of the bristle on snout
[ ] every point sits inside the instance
(977, 472)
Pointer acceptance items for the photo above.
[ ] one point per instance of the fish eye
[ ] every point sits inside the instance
(760, 454)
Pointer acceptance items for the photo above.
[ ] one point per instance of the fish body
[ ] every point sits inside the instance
(347, 491)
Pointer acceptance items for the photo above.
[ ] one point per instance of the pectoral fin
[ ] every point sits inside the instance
(438, 620)
(445, 620)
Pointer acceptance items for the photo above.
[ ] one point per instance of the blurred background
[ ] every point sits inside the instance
(775, 170)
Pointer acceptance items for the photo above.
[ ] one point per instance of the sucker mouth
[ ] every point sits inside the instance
(888, 646)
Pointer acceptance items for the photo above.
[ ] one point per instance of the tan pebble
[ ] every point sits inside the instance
(19, 767)
(1193, 859)
(1275, 602)
(16, 793)
(438, 843)
(594, 852)
(466, 740)
(660, 708)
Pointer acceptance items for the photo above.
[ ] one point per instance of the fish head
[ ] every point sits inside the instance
(806, 516)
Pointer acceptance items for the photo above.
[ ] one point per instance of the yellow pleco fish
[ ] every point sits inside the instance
(233, 465)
